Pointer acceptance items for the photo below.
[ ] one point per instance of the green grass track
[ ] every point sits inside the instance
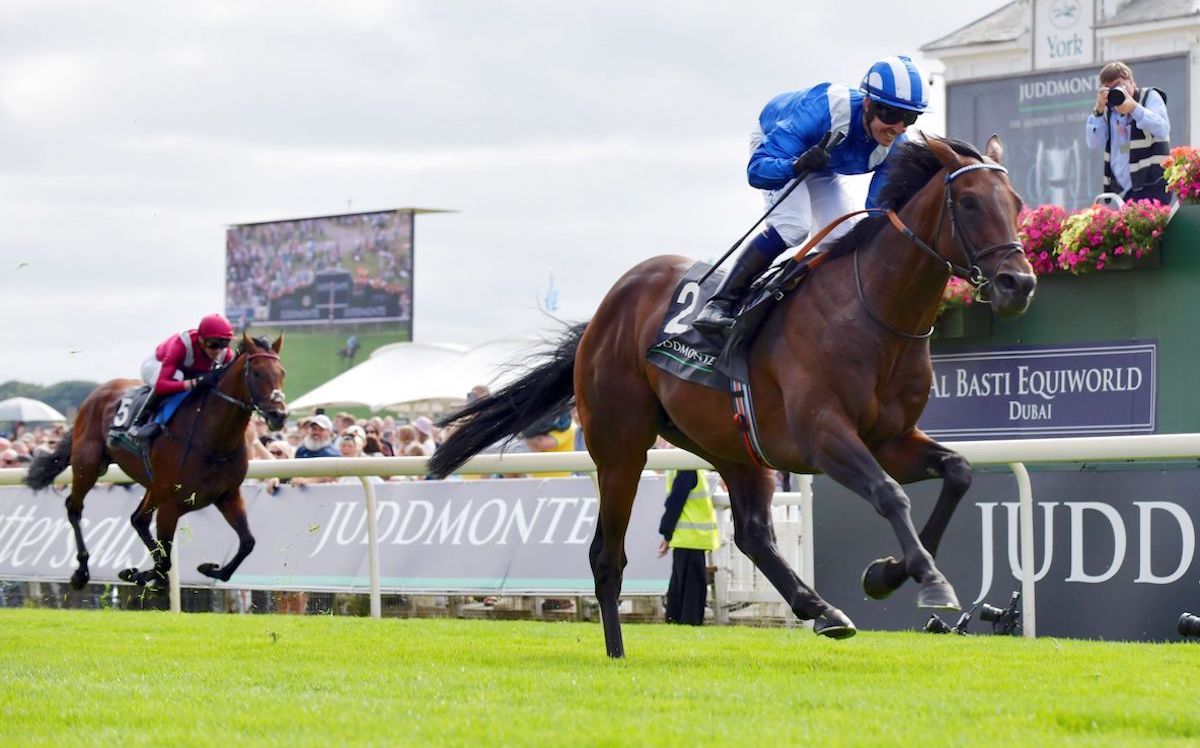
(117, 678)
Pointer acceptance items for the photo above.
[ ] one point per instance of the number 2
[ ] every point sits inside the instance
(689, 294)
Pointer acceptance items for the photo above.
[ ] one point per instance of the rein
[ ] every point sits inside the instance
(972, 274)
(253, 405)
(247, 407)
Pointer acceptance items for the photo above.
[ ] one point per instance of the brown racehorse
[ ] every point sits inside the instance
(840, 372)
(199, 459)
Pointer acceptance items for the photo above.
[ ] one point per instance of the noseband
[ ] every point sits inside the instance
(970, 272)
(253, 405)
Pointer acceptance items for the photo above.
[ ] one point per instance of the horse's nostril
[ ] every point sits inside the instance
(1015, 283)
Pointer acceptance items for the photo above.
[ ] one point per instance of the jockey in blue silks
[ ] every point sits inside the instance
(871, 119)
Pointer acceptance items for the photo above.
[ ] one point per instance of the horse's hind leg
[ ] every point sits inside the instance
(750, 491)
(908, 459)
(233, 509)
(617, 437)
(87, 464)
(841, 455)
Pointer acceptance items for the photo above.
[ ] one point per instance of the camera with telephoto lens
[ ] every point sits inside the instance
(1189, 625)
(1116, 97)
(1003, 620)
(936, 625)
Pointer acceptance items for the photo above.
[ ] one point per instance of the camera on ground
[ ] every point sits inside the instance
(1189, 625)
(936, 625)
(1005, 621)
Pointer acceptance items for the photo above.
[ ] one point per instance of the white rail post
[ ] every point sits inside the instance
(807, 552)
(173, 592)
(1028, 601)
(372, 547)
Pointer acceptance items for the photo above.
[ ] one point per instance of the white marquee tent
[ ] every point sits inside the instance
(419, 377)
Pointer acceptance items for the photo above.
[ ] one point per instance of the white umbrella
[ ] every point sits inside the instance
(27, 409)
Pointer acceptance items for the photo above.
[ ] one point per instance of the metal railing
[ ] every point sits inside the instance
(1014, 453)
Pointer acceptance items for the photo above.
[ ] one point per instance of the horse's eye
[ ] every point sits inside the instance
(970, 202)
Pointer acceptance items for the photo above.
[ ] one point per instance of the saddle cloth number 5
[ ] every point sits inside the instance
(121, 419)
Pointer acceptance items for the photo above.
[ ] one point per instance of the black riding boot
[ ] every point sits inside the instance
(140, 431)
(720, 311)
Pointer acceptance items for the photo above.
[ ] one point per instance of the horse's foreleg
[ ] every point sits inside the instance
(750, 491)
(910, 458)
(140, 520)
(165, 522)
(841, 455)
(233, 509)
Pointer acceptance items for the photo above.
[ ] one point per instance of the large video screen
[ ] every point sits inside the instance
(332, 270)
(1041, 118)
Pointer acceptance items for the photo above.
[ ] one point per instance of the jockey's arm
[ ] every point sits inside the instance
(167, 384)
(771, 164)
(171, 375)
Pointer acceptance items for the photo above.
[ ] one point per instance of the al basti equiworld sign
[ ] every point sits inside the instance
(1085, 389)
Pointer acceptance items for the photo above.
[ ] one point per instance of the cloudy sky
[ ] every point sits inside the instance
(571, 137)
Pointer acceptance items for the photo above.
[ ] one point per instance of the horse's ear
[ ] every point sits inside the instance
(247, 344)
(994, 149)
(278, 344)
(944, 153)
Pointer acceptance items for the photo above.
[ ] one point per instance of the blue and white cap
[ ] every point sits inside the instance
(898, 82)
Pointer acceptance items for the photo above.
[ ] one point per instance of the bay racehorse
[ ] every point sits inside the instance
(199, 459)
(839, 371)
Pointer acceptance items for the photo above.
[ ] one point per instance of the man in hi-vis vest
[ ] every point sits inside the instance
(689, 526)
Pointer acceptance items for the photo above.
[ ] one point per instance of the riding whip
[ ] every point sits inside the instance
(829, 141)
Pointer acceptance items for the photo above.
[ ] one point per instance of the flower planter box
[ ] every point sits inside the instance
(1129, 262)
(962, 322)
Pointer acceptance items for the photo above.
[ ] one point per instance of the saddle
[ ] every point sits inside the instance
(712, 359)
(131, 403)
(723, 362)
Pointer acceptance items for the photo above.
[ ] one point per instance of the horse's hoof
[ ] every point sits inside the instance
(938, 595)
(154, 579)
(129, 575)
(875, 579)
(79, 579)
(211, 570)
(834, 624)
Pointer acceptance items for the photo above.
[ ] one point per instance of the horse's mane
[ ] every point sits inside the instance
(260, 342)
(909, 169)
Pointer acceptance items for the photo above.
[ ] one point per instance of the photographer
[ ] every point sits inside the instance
(1132, 127)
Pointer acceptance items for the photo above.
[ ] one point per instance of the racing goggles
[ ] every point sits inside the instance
(890, 115)
(216, 343)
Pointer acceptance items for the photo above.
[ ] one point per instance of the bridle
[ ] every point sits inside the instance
(970, 271)
(253, 405)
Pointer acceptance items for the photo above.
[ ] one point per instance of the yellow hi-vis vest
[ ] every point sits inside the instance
(697, 525)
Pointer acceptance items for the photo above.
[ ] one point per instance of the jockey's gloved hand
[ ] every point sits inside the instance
(814, 159)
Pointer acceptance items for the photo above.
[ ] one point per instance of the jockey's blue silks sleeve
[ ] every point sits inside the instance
(793, 122)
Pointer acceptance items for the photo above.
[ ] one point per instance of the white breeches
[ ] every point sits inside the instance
(814, 204)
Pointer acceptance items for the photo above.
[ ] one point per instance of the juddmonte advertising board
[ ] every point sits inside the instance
(333, 269)
(1041, 119)
(1042, 391)
(522, 535)
(1114, 551)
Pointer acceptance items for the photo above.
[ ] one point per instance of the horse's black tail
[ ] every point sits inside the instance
(546, 389)
(45, 468)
